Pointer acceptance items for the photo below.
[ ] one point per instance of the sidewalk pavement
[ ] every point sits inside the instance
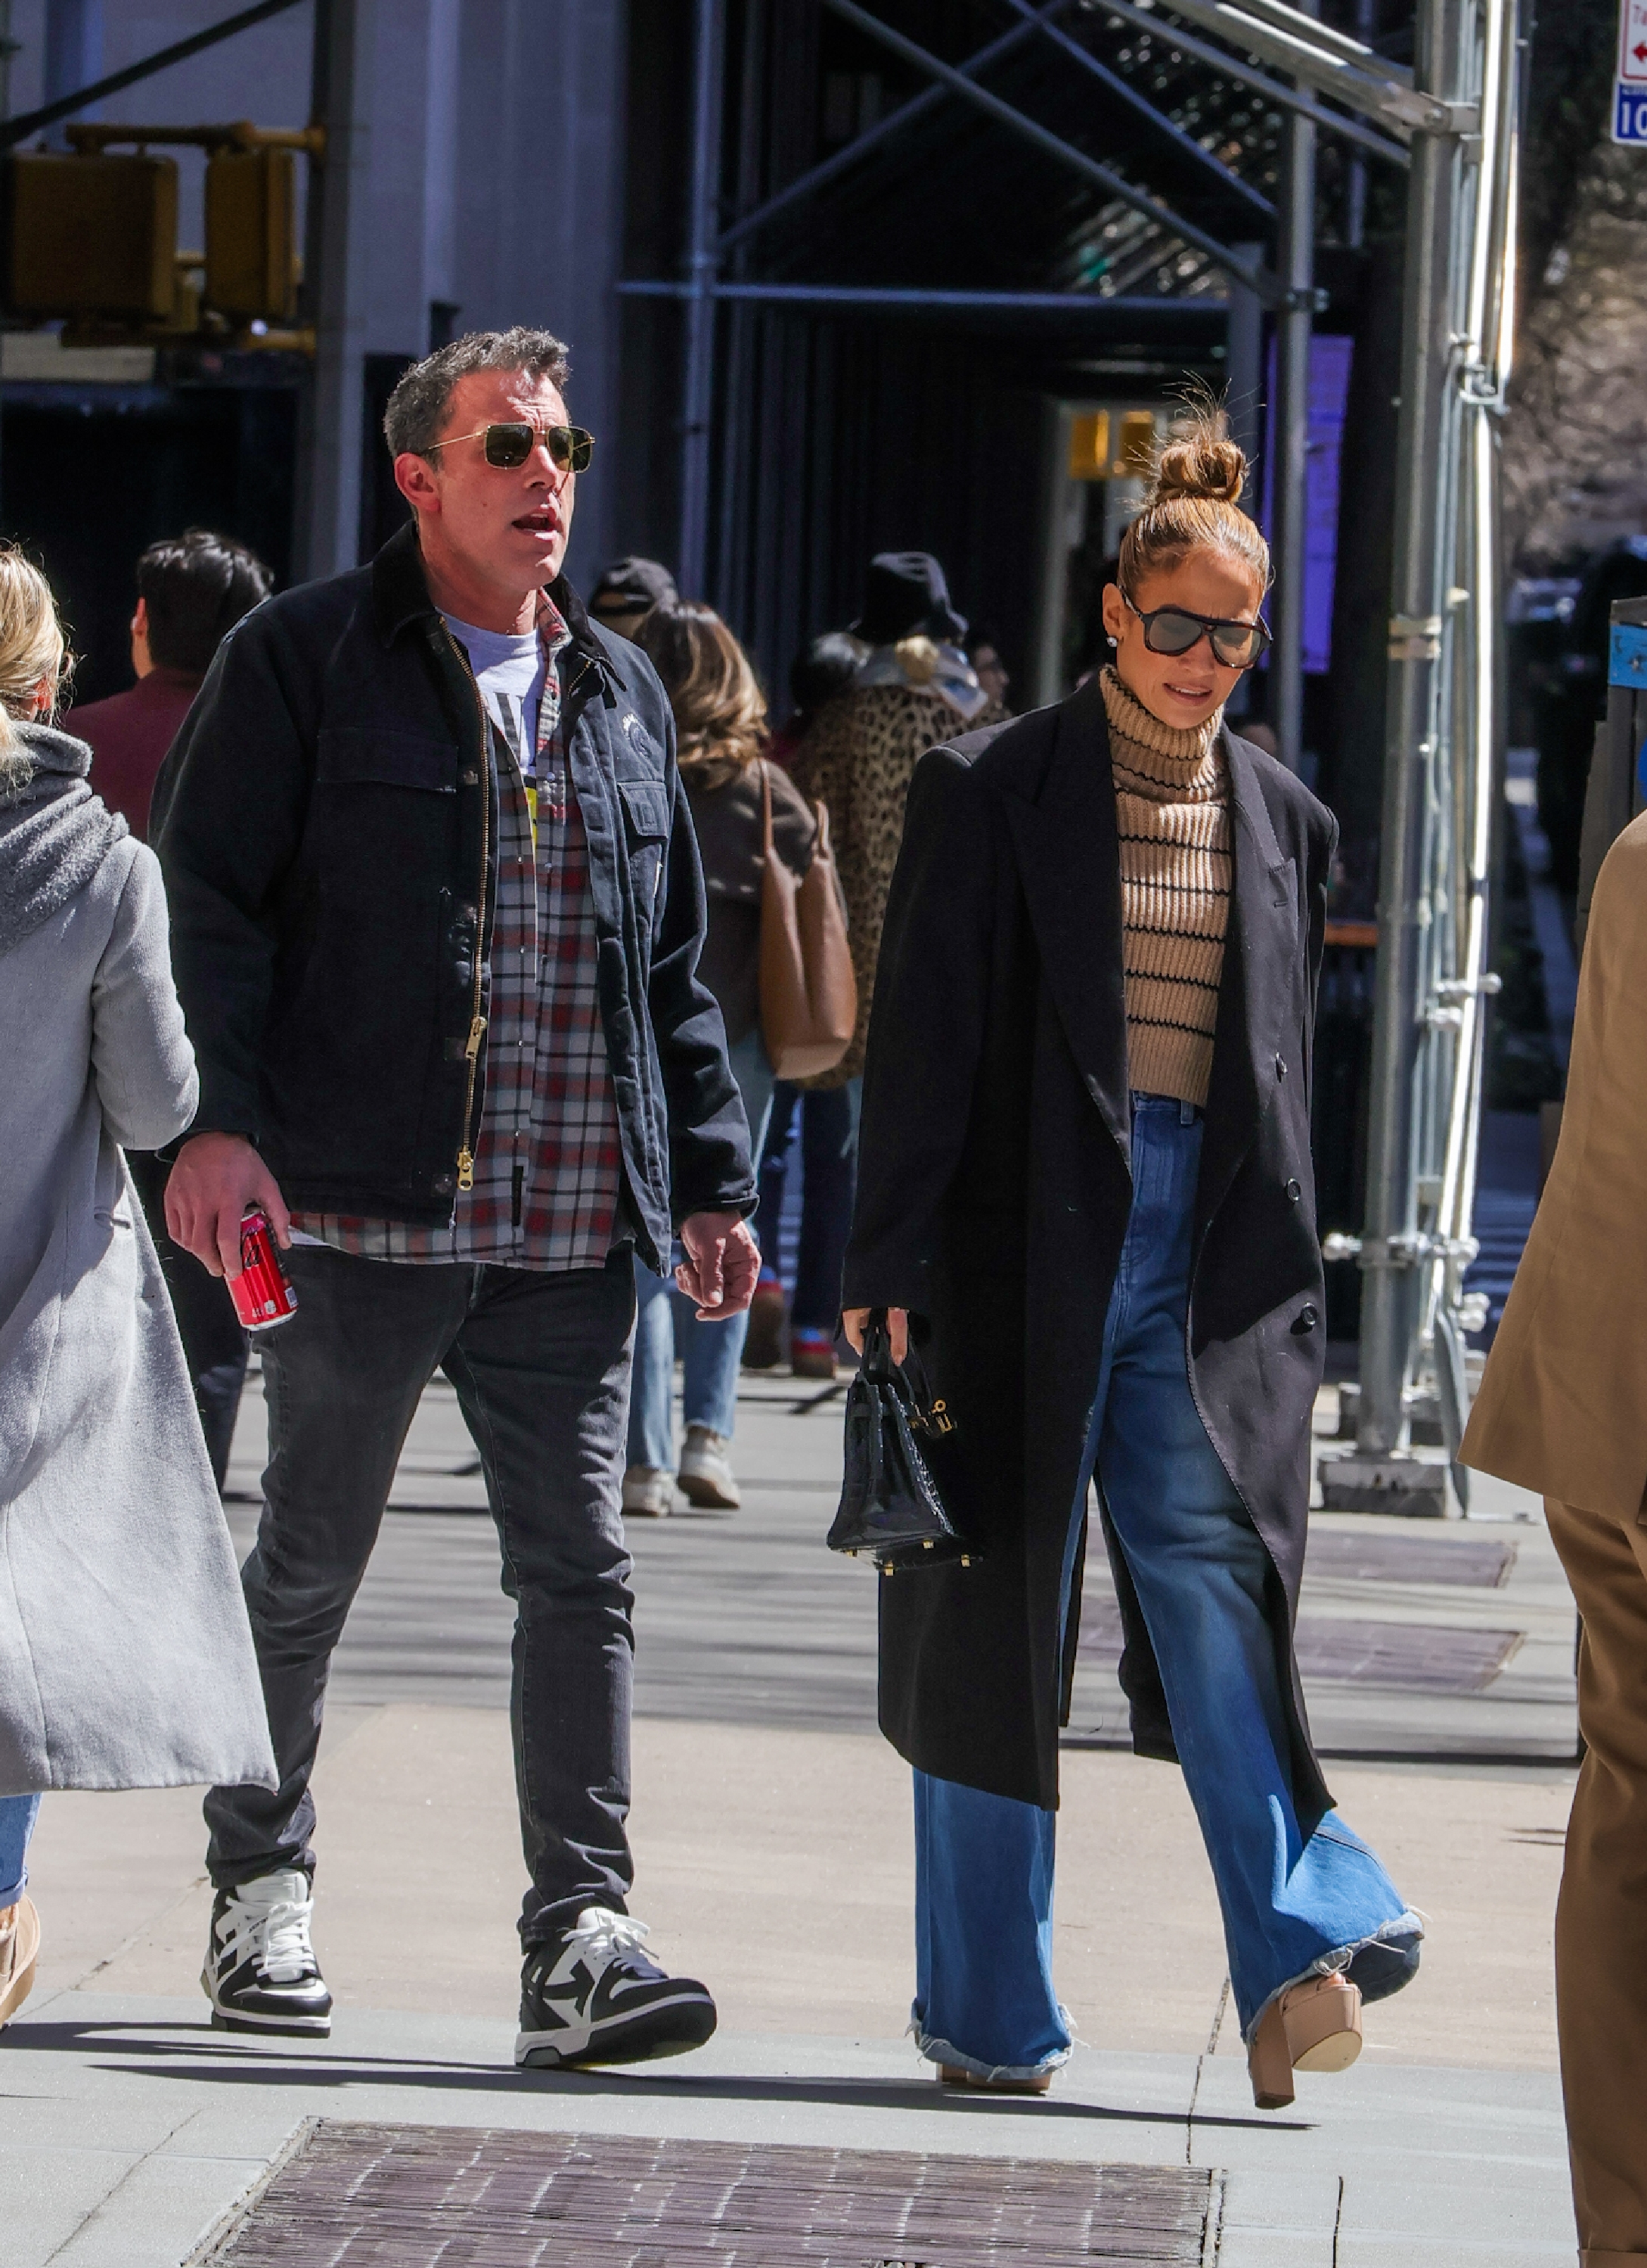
(771, 1835)
(133, 2131)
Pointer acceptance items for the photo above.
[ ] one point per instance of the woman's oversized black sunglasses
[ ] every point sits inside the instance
(1174, 630)
(509, 446)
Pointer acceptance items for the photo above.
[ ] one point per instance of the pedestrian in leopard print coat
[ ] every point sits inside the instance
(859, 755)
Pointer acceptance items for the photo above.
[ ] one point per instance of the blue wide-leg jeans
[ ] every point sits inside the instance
(983, 1864)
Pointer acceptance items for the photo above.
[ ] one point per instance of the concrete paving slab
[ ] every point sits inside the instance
(1281, 2218)
(1420, 2155)
(163, 2208)
(1425, 2157)
(45, 2194)
(1273, 2248)
(1416, 2249)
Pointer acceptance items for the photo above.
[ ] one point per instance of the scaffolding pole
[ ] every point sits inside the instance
(1294, 321)
(701, 267)
(1442, 737)
(331, 444)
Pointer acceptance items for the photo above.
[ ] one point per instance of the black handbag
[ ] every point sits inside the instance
(889, 1504)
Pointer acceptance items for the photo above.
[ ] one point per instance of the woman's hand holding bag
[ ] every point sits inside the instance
(889, 1505)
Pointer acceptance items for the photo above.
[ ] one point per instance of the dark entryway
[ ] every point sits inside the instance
(90, 475)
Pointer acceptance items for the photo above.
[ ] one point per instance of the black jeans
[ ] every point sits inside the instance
(214, 1344)
(541, 1363)
(828, 1168)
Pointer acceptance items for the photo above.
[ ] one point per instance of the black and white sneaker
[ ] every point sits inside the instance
(593, 1996)
(260, 1974)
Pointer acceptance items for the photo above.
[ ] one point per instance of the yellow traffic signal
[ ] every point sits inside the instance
(251, 234)
(1089, 446)
(91, 237)
(1135, 458)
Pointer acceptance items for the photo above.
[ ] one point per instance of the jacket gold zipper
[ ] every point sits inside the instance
(477, 1022)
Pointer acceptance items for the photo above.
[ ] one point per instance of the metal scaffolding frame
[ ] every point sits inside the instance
(1443, 734)
(1352, 74)
(1459, 109)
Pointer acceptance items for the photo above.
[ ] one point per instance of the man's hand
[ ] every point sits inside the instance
(722, 1264)
(216, 1176)
(855, 1322)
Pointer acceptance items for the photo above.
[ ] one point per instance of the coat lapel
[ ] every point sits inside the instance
(1069, 865)
(1261, 981)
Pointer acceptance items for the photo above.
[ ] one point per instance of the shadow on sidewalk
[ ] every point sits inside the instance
(208, 2058)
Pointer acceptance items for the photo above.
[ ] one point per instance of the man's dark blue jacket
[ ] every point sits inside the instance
(327, 825)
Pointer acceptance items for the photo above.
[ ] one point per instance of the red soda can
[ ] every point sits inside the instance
(263, 1297)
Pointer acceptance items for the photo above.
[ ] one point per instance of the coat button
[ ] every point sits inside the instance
(443, 1186)
(469, 778)
(1309, 1316)
(467, 913)
(1294, 1190)
(1281, 1068)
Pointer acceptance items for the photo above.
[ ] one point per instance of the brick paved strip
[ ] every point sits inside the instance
(1477, 1563)
(358, 2196)
(1412, 1657)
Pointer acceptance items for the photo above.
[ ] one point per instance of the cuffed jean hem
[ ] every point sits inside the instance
(1589, 2257)
(1406, 1924)
(17, 1816)
(944, 2052)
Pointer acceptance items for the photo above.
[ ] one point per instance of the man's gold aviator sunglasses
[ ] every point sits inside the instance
(509, 446)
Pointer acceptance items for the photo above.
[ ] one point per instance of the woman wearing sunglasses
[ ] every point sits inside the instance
(1085, 1190)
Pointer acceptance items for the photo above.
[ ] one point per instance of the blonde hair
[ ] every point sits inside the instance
(1192, 502)
(33, 647)
(720, 710)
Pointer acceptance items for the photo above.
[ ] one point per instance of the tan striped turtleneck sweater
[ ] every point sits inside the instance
(1172, 815)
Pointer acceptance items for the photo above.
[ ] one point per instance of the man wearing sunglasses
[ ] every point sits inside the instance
(437, 912)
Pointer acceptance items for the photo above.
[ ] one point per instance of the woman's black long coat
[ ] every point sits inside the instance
(994, 1191)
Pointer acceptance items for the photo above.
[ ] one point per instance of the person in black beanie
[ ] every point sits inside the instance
(626, 591)
(915, 689)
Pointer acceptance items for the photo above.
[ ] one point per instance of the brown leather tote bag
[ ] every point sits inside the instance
(808, 992)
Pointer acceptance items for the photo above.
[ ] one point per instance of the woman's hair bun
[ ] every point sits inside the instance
(1198, 459)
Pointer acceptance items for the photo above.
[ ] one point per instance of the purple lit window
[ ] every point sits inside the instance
(1329, 395)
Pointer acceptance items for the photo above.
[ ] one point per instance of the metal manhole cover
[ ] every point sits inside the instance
(1417, 1657)
(1420, 1656)
(1479, 1562)
(356, 2196)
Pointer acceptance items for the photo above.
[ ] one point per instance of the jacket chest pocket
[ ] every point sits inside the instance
(645, 807)
(374, 756)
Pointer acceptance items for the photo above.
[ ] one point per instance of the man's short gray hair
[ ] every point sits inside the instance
(418, 406)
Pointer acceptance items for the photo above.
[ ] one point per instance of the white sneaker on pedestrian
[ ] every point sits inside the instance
(260, 1974)
(707, 1476)
(593, 1996)
(648, 1492)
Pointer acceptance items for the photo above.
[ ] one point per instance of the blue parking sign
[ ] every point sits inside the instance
(1629, 113)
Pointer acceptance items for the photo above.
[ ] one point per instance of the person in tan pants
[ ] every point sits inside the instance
(1563, 1409)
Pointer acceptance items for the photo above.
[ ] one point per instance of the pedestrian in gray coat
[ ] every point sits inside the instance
(125, 1656)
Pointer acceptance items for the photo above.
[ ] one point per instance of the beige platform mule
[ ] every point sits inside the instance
(1312, 2026)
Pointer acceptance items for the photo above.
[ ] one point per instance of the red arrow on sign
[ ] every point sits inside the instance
(1640, 52)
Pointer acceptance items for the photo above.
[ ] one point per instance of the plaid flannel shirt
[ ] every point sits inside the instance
(547, 1162)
